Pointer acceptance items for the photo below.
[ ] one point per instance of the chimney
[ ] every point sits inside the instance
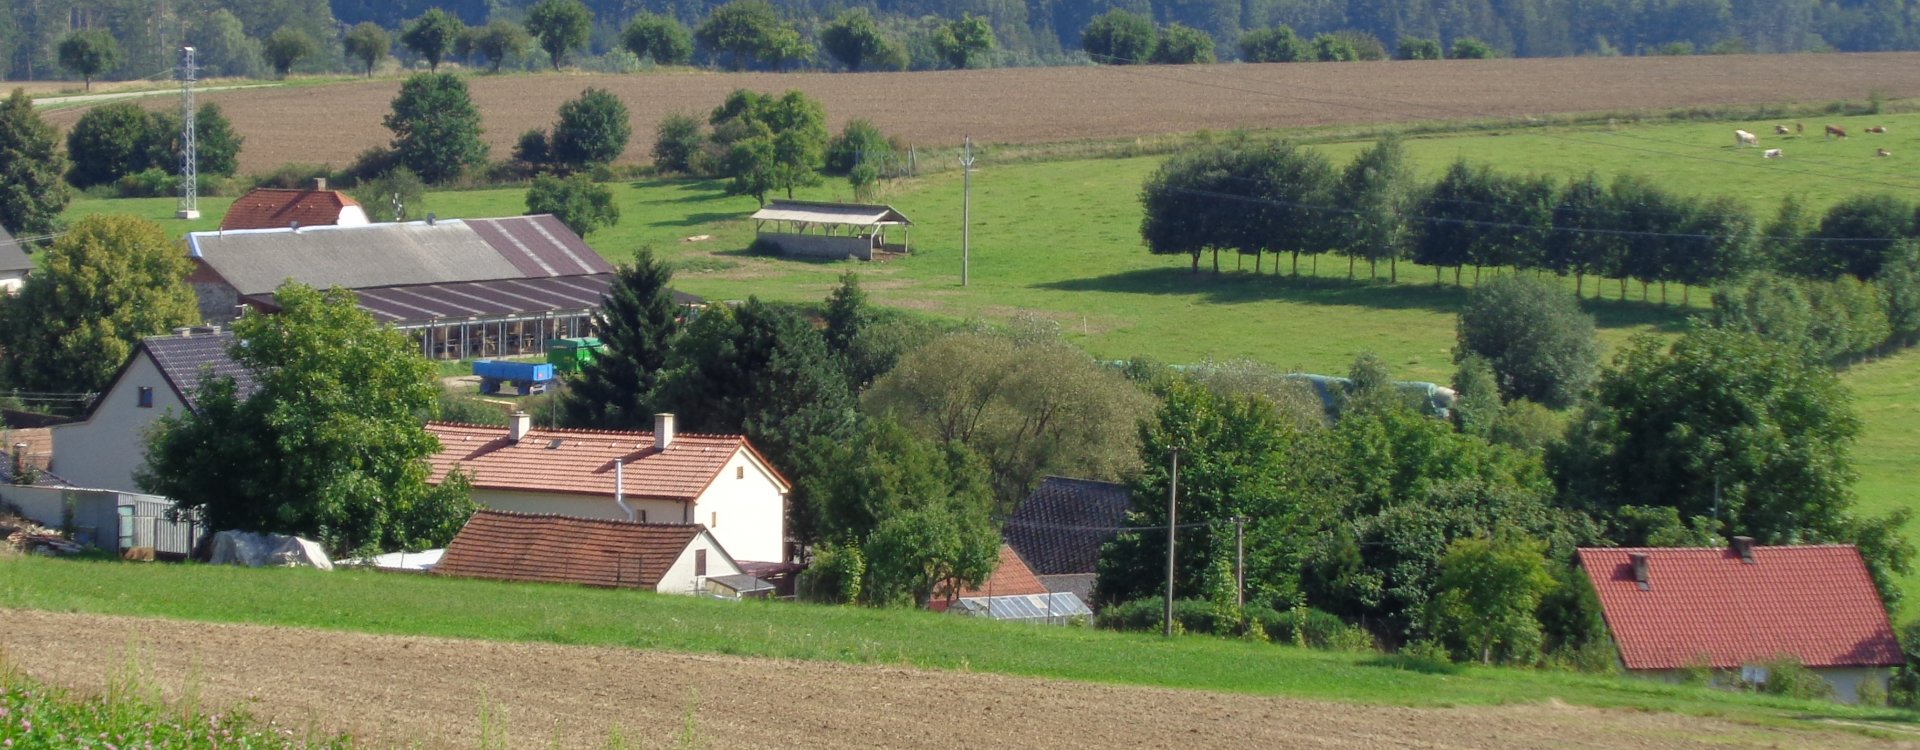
(183, 331)
(662, 430)
(1642, 569)
(522, 423)
(432, 218)
(1743, 546)
(319, 184)
(19, 462)
(294, 225)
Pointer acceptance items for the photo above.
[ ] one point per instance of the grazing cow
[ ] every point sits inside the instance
(1772, 153)
(1835, 131)
(1744, 138)
(1781, 130)
(1882, 152)
(1877, 129)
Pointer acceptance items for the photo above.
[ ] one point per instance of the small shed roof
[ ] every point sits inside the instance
(509, 546)
(273, 208)
(851, 214)
(12, 256)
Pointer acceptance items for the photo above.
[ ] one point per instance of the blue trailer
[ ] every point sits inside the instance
(526, 378)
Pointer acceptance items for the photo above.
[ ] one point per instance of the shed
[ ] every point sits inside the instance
(14, 263)
(831, 230)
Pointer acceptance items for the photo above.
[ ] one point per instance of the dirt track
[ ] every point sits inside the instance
(334, 123)
(391, 691)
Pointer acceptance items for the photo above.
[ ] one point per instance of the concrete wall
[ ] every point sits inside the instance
(96, 515)
(104, 451)
(745, 511)
(680, 578)
(821, 246)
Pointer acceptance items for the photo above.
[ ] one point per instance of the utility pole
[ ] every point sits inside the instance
(1240, 561)
(966, 211)
(1173, 522)
(189, 153)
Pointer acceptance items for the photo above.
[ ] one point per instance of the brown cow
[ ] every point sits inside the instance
(1877, 129)
(1800, 127)
(1835, 131)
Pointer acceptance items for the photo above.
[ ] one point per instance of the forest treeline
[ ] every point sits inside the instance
(231, 34)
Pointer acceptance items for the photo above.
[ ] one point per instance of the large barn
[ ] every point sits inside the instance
(465, 288)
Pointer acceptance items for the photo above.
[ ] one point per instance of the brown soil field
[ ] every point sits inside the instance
(334, 123)
(424, 692)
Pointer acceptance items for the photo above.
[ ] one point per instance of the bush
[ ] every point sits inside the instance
(151, 182)
(1786, 677)
(859, 142)
(1416, 48)
(1539, 341)
(834, 577)
(1872, 691)
(292, 176)
(371, 164)
(1469, 48)
(679, 139)
(1425, 657)
(107, 143)
(576, 201)
(468, 409)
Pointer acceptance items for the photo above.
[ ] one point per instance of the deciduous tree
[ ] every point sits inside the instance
(1488, 592)
(89, 52)
(1273, 45)
(854, 39)
(1118, 37)
(109, 141)
(592, 130)
(1182, 45)
(436, 128)
(498, 40)
(1377, 191)
(103, 285)
(576, 201)
(742, 31)
(286, 47)
(33, 187)
(329, 445)
(369, 44)
(433, 35)
(1536, 337)
(561, 26)
(964, 42)
(662, 38)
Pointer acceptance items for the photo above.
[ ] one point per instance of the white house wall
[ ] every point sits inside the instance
(745, 510)
(680, 578)
(1846, 681)
(104, 451)
(581, 506)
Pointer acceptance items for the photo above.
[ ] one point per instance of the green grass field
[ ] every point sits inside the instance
(423, 605)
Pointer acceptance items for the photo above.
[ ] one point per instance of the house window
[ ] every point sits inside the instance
(700, 562)
(714, 523)
(643, 515)
(146, 397)
(739, 472)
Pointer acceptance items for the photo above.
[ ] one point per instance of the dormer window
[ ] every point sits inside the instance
(146, 397)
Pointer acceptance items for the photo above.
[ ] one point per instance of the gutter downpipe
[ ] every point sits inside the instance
(619, 487)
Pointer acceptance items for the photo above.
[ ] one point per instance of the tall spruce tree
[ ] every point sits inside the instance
(637, 322)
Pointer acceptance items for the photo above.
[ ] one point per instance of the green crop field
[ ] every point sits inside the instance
(431, 606)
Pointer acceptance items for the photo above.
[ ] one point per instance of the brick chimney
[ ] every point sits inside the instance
(522, 423)
(1743, 546)
(1642, 569)
(662, 430)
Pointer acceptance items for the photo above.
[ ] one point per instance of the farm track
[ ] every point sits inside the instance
(333, 123)
(395, 691)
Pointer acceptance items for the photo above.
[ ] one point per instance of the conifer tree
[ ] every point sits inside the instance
(637, 322)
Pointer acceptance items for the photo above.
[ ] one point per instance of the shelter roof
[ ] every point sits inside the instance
(1060, 527)
(273, 208)
(194, 356)
(1707, 605)
(581, 462)
(509, 546)
(256, 261)
(810, 212)
(13, 257)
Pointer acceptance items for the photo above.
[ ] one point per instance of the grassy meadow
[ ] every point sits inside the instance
(431, 606)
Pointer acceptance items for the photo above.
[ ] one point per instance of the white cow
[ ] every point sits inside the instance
(1772, 153)
(1744, 138)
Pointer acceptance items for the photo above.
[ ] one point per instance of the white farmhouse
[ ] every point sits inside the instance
(717, 481)
(163, 376)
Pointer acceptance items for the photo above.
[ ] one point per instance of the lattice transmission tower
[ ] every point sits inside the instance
(189, 153)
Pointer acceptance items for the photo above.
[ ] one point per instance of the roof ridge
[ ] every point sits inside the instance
(589, 431)
(584, 519)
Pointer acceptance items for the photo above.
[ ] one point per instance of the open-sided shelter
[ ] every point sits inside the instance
(831, 230)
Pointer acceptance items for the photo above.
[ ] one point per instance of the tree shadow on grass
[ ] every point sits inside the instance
(697, 219)
(1234, 287)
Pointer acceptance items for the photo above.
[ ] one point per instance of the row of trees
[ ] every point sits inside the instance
(1255, 199)
(248, 38)
(761, 143)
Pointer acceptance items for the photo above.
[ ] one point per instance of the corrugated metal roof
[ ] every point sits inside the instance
(808, 212)
(421, 303)
(257, 261)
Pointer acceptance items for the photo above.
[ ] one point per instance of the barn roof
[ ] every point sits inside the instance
(12, 256)
(1710, 605)
(581, 462)
(274, 208)
(256, 261)
(810, 212)
(1060, 527)
(509, 546)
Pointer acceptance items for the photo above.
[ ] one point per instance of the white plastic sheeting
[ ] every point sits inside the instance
(261, 550)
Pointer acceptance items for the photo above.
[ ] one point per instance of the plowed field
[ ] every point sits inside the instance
(398, 691)
(333, 123)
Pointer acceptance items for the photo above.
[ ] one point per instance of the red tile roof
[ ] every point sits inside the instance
(1814, 603)
(1011, 578)
(278, 208)
(509, 546)
(580, 462)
